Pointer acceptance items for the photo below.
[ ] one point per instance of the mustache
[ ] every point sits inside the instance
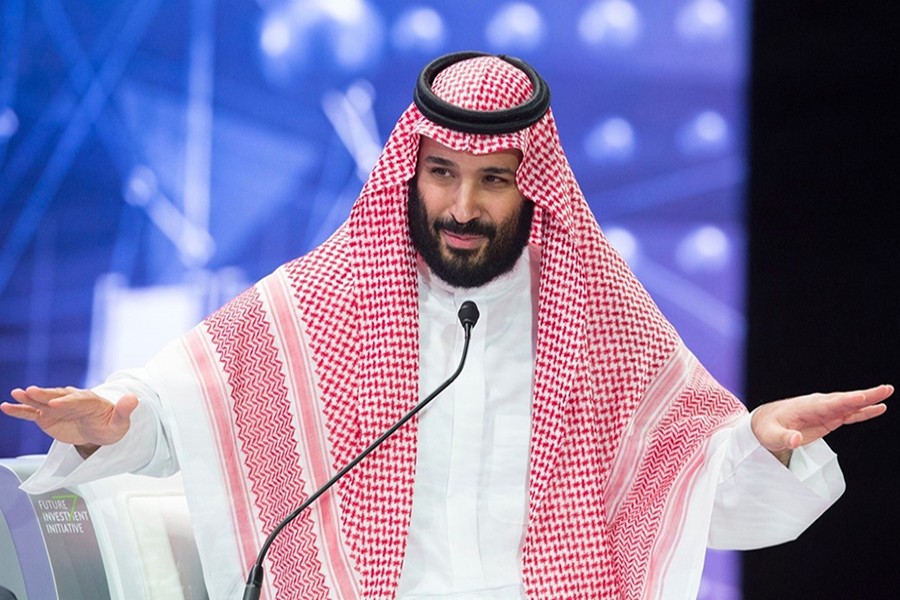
(473, 227)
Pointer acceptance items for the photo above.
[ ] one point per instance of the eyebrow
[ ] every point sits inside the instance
(444, 162)
(438, 160)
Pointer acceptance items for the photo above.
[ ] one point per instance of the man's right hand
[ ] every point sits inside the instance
(73, 415)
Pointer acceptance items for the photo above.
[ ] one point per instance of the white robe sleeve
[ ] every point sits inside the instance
(745, 498)
(759, 502)
(145, 450)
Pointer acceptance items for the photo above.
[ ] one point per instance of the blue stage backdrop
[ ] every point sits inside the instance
(158, 155)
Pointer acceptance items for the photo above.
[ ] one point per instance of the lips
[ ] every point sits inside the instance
(462, 241)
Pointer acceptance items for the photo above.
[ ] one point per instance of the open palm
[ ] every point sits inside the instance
(784, 425)
(73, 415)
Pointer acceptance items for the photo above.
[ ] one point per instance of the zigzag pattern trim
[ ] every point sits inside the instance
(248, 356)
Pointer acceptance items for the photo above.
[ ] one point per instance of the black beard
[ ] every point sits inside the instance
(468, 268)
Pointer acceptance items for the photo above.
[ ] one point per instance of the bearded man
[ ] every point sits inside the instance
(583, 452)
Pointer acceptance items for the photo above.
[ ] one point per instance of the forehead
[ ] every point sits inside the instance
(504, 159)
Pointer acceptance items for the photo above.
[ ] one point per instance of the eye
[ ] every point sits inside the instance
(496, 180)
(440, 172)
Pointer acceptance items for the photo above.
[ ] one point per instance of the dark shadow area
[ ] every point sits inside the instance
(824, 269)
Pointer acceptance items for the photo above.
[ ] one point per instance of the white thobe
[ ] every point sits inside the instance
(471, 489)
(470, 495)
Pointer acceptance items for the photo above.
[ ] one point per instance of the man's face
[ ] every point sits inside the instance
(467, 218)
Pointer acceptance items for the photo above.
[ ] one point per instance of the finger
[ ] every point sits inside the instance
(868, 396)
(23, 397)
(843, 404)
(879, 393)
(20, 411)
(865, 413)
(43, 395)
(74, 398)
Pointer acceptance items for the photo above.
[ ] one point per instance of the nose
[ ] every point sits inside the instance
(467, 203)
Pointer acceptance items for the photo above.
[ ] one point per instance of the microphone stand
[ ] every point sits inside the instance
(468, 316)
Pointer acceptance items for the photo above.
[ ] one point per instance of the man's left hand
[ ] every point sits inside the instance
(784, 425)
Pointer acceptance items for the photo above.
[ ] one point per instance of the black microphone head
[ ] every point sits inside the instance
(468, 314)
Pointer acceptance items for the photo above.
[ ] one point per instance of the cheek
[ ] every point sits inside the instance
(434, 200)
(506, 209)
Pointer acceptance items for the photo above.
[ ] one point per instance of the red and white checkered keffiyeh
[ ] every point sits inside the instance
(620, 415)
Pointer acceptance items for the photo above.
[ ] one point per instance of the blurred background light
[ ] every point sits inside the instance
(420, 29)
(624, 242)
(704, 21)
(706, 133)
(302, 35)
(275, 39)
(352, 116)
(705, 249)
(517, 26)
(611, 140)
(141, 186)
(9, 123)
(610, 23)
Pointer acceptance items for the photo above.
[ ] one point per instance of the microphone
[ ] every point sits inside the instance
(468, 316)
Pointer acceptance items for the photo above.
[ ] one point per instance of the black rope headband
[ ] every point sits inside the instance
(480, 121)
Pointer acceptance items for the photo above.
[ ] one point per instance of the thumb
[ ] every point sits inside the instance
(792, 439)
(770, 432)
(123, 409)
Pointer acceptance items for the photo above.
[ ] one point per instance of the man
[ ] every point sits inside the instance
(582, 453)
